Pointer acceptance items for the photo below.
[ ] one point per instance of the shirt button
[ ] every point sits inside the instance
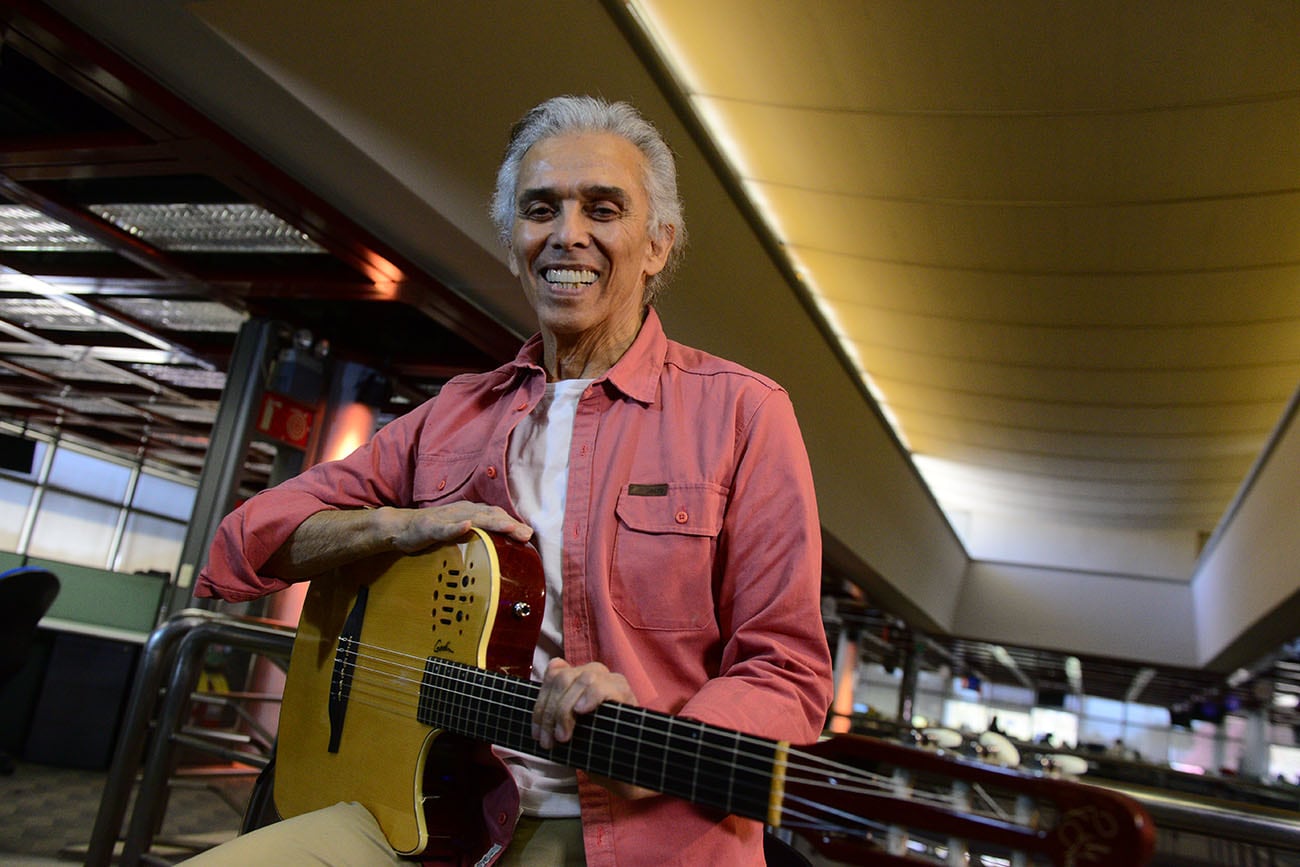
(523, 405)
(501, 817)
(682, 517)
(442, 484)
(491, 472)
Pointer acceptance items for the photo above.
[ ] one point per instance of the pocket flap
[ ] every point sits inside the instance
(694, 509)
(437, 477)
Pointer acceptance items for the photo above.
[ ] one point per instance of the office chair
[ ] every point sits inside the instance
(26, 593)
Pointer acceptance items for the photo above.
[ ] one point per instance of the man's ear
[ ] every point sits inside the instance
(661, 244)
(510, 259)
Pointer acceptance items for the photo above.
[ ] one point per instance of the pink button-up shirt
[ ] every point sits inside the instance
(691, 560)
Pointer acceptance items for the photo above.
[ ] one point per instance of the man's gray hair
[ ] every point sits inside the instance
(574, 114)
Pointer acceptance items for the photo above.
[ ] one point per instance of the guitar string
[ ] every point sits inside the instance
(882, 783)
(829, 820)
(875, 782)
(847, 777)
(407, 703)
(793, 819)
(524, 706)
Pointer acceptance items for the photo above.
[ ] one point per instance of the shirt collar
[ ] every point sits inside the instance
(636, 373)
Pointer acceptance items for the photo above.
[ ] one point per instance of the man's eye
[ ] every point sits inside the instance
(604, 212)
(537, 211)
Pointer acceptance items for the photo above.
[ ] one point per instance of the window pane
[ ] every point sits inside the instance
(164, 496)
(150, 545)
(1014, 724)
(90, 476)
(1103, 708)
(37, 458)
(73, 530)
(1062, 726)
(965, 716)
(15, 497)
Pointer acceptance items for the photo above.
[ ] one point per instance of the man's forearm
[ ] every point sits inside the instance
(329, 539)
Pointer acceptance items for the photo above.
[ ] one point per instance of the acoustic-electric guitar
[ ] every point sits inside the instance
(402, 664)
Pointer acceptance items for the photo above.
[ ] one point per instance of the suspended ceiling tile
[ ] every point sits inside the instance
(1085, 381)
(49, 314)
(26, 229)
(1178, 155)
(202, 227)
(14, 401)
(180, 315)
(184, 377)
(936, 55)
(1117, 300)
(95, 406)
(1153, 346)
(79, 370)
(1246, 233)
(197, 412)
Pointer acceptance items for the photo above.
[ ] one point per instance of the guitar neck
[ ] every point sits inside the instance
(700, 763)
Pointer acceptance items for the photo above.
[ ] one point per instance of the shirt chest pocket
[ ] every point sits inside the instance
(444, 479)
(664, 550)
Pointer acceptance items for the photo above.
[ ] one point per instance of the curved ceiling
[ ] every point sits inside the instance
(1060, 241)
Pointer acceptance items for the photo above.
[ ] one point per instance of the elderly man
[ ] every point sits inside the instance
(666, 490)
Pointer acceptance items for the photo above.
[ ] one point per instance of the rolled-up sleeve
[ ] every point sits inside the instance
(378, 473)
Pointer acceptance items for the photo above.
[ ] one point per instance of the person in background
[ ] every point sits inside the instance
(667, 491)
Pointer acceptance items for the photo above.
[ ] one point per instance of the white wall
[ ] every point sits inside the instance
(1077, 611)
(1252, 566)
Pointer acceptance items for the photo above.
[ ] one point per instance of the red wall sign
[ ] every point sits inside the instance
(284, 419)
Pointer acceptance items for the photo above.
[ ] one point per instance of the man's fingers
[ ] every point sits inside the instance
(435, 525)
(569, 691)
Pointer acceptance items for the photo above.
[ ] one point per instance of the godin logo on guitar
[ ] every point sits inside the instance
(443, 647)
(1082, 832)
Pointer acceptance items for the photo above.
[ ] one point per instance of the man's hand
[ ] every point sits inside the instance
(570, 690)
(413, 530)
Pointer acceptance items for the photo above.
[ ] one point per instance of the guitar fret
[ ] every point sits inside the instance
(682, 757)
(476, 702)
(619, 765)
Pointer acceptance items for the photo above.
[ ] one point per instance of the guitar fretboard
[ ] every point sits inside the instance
(691, 760)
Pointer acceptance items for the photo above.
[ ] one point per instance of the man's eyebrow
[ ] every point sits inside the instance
(604, 191)
(533, 194)
(592, 191)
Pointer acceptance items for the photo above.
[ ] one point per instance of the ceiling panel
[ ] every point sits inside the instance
(135, 240)
(1047, 237)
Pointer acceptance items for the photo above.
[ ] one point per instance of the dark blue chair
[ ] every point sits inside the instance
(26, 593)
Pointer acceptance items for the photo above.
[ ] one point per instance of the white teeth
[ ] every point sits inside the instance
(569, 276)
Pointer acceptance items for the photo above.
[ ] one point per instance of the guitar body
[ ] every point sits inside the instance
(348, 727)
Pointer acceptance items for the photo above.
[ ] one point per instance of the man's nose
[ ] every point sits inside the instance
(570, 228)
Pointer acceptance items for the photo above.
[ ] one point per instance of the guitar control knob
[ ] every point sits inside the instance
(522, 610)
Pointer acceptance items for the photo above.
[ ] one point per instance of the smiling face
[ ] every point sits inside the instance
(582, 248)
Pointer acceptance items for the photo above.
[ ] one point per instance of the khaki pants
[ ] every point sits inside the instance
(346, 835)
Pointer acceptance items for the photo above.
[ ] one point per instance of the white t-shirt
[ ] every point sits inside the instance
(538, 471)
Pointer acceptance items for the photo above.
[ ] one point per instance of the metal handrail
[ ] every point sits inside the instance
(177, 646)
(1238, 822)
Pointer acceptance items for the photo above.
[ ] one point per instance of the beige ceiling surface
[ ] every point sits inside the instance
(1061, 240)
